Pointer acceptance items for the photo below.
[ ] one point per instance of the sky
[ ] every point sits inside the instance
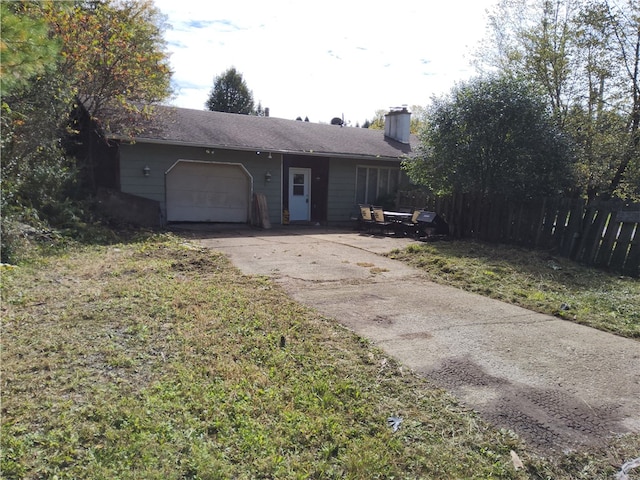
(327, 58)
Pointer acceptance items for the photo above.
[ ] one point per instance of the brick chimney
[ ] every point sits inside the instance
(397, 123)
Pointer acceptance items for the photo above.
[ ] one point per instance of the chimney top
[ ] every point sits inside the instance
(401, 109)
(397, 124)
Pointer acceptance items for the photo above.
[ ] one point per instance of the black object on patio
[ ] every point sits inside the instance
(430, 224)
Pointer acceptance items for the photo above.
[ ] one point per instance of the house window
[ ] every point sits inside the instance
(375, 182)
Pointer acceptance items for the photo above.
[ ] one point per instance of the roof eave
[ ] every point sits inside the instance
(254, 149)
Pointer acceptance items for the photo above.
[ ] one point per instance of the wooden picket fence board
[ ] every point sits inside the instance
(601, 234)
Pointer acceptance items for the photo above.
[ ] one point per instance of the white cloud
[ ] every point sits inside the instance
(324, 59)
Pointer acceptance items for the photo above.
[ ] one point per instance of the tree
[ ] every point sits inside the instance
(114, 55)
(259, 111)
(33, 166)
(25, 48)
(491, 136)
(230, 94)
(626, 28)
(584, 56)
(417, 118)
(532, 38)
(378, 120)
(108, 55)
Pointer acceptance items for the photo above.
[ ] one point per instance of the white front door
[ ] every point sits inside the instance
(299, 194)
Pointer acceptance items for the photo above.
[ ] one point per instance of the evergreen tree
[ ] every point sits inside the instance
(230, 94)
(26, 50)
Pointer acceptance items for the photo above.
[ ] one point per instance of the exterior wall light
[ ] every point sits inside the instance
(267, 177)
(146, 171)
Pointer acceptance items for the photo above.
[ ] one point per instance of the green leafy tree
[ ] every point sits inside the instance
(114, 55)
(108, 55)
(230, 94)
(417, 121)
(626, 28)
(584, 55)
(26, 50)
(491, 136)
(378, 120)
(33, 166)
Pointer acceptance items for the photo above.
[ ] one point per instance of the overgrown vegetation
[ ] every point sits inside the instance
(536, 280)
(103, 58)
(157, 359)
(491, 136)
(584, 57)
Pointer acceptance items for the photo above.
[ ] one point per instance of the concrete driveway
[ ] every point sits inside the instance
(559, 385)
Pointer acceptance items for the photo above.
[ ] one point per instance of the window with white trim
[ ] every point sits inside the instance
(374, 182)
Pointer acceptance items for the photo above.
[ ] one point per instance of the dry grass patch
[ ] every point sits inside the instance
(365, 264)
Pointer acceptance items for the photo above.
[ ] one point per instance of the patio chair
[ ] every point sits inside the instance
(366, 220)
(411, 227)
(380, 222)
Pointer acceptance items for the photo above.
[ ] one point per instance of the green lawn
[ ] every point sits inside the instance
(158, 360)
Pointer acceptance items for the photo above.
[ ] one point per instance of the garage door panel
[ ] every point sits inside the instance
(207, 192)
(202, 214)
(187, 177)
(209, 197)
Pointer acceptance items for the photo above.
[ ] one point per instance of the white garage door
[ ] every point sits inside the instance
(207, 192)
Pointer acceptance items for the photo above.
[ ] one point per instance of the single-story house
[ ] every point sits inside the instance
(203, 166)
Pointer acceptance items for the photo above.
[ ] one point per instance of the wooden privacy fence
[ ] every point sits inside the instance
(601, 234)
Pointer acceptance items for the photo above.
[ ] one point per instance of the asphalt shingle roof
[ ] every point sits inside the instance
(243, 132)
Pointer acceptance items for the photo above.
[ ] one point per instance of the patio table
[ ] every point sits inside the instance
(397, 216)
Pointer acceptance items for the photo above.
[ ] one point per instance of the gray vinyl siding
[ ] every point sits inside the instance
(159, 158)
(341, 202)
(342, 186)
(342, 189)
